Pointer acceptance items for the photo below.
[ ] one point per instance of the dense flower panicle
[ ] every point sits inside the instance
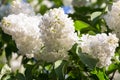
(112, 18)
(18, 6)
(58, 35)
(101, 46)
(25, 31)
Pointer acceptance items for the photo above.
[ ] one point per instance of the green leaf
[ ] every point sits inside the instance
(72, 53)
(28, 72)
(87, 60)
(3, 59)
(42, 76)
(60, 69)
(79, 25)
(95, 14)
(91, 33)
(100, 73)
(20, 76)
(113, 67)
(5, 69)
(6, 77)
(4, 72)
(73, 49)
(58, 3)
(43, 9)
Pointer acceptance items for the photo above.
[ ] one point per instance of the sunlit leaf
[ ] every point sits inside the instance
(80, 25)
(113, 67)
(95, 14)
(100, 73)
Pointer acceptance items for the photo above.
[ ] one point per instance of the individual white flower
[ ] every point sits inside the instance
(57, 33)
(101, 46)
(18, 6)
(112, 18)
(16, 62)
(25, 31)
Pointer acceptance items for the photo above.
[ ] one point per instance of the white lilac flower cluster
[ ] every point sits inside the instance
(24, 30)
(57, 32)
(112, 18)
(18, 6)
(54, 30)
(100, 46)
